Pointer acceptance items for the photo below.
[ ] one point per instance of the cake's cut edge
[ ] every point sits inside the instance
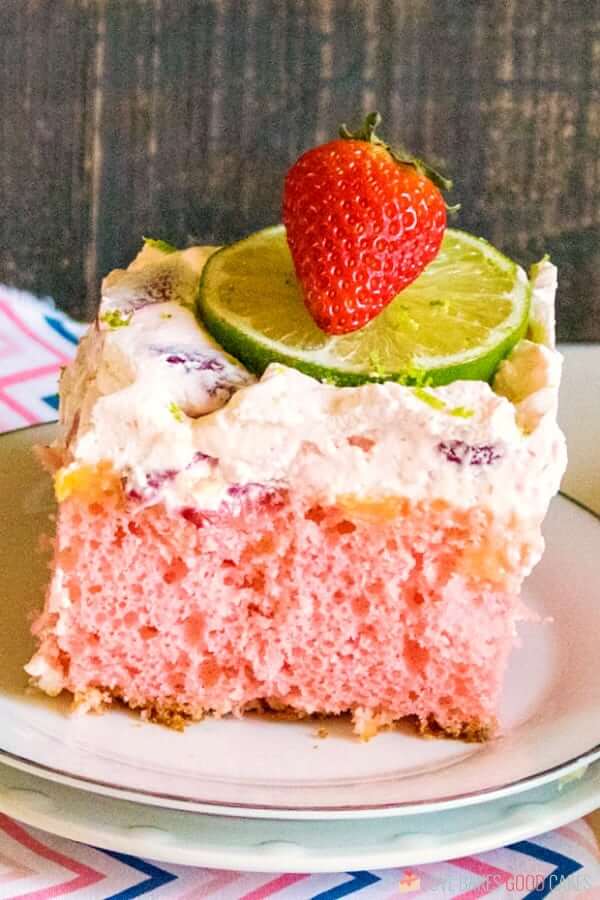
(308, 609)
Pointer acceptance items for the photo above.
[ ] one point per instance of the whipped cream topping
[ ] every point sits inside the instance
(186, 424)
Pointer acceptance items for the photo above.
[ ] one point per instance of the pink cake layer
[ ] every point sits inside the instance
(385, 610)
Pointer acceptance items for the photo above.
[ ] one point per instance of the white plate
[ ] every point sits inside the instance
(263, 845)
(255, 767)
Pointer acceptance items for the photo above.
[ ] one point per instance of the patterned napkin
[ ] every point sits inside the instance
(35, 341)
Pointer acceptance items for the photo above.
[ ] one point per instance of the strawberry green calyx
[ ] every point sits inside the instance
(367, 133)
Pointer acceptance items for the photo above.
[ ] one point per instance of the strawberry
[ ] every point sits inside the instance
(362, 223)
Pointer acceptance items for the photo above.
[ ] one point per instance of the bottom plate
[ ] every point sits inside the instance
(550, 715)
(263, 845)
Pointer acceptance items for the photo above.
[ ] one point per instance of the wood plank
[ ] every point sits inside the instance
(46, 75)
(179, 118)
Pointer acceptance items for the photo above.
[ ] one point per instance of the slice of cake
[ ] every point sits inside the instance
(227, 544)
(336, 515)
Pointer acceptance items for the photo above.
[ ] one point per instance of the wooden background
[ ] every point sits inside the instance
(178, 119)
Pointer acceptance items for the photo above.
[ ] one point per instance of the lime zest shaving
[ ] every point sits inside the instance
(462, 412)
(114, 318)
(159, 244)
(535, 267)
(429, 399)
(414, 377)
(177, 412)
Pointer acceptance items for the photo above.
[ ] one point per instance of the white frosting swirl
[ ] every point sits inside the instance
(184, 423)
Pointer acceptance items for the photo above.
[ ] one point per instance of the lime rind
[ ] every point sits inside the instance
(470, 295)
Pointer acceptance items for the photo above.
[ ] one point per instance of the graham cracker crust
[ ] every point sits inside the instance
(474, 732)
(367, 725)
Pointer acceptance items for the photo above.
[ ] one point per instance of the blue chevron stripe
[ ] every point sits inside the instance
(158, 877)
(565, 866)
(60, 328)
(52, 400)
(359, 881)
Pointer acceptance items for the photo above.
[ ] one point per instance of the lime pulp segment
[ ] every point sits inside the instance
(460, 317)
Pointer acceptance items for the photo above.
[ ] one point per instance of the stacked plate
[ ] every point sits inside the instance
(267, 795)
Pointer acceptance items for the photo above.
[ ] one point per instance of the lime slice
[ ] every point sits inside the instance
(457, 320)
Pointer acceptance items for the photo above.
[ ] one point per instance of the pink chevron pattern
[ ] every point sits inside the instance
(35, 341)
(273, 887)
(216, 883)
(32, 351)
(84, 876)
(11, 870)
(492, 877)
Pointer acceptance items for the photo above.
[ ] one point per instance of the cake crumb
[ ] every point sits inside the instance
(92, 700)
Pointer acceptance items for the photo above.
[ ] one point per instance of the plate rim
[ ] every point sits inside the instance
(289, 811)
(531, 813)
